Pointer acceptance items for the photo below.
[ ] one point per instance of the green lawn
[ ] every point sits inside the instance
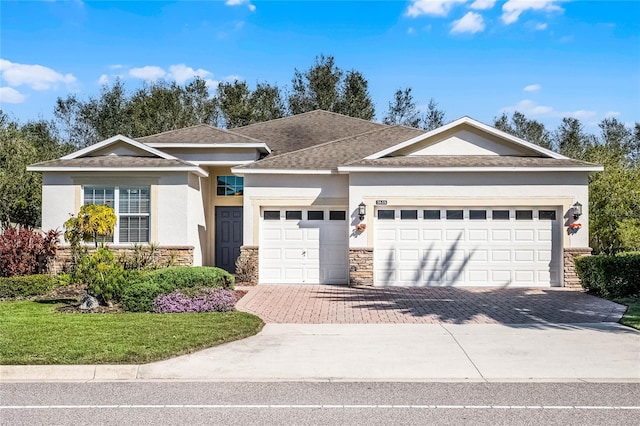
(32, 333)
(632, 316)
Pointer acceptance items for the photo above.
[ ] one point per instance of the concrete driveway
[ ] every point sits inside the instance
(323, 304)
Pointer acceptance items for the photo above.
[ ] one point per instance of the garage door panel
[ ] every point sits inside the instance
(272, 234)
(293, 234)
(432, 235)
(468, 251)
(524, 235)
(272, 253)
(524, 255)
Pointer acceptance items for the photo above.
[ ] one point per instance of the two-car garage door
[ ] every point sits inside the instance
(467, 247)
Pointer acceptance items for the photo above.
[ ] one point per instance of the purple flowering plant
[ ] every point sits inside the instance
(195, 300)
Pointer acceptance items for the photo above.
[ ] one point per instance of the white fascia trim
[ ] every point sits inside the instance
(468, 169)
(196, 170)
(473, 123)
(280, 172)
(221, 163)
(259, 145)
(114, 139)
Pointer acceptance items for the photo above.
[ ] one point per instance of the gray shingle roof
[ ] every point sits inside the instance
(305, 130)
(200, 133)
(114, 161)
(332, 154)
(468, 161)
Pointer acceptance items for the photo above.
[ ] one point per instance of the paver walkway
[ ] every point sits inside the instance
(324, 304)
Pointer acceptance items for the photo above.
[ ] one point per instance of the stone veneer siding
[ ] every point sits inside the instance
(570, 253)
(361, 266)
(168, 255)
(250, 255)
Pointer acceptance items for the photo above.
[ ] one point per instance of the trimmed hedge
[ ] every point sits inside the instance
(29, 285)
(140, 294)
(610, 276)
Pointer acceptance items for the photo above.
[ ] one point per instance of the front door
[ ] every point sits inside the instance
(228, 237)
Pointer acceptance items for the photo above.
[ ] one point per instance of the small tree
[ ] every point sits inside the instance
(92, 222)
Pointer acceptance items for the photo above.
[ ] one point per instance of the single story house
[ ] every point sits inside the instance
(322, 198)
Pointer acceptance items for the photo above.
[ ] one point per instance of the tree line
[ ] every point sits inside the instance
(161, 106)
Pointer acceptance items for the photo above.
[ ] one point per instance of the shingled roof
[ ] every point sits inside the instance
(329, 155)
(115, 162)
(437, 161)
(305, 130)
(200, 133)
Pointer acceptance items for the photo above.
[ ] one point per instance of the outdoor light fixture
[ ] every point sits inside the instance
(577, 210)
(362, 210)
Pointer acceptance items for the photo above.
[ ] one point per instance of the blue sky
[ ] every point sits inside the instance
(479, 58)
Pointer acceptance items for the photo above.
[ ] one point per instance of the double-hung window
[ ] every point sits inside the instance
(132, 207)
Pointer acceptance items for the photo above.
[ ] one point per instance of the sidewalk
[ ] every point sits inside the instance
(389, 352)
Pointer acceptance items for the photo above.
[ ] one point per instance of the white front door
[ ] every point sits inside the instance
(304, 246)
(500, 246)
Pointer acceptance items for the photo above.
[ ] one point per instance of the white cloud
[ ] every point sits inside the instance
(149, 72)
(532, 110)
(212, 84)
(431, 7)
(116, 66)
(233, 77)
(611, 114)
(37, 77)
(251, 6)
(411, 31)
(512, 9)
(181, 73)
(532, 88)
(541, 26)
(470, 23)
(482, 4)
(104, 79)
(10, 95)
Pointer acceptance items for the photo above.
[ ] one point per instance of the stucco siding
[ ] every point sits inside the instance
(58, 200)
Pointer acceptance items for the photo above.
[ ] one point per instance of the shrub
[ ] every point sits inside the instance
(105, 279)
(202, 300)
(30, 285)
(143, 290)
(24, 251)
(610, 276)
(141, 257)
(246, 270)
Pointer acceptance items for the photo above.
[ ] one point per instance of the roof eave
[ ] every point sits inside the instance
(243, 171)
(493, 169)
(197, 170)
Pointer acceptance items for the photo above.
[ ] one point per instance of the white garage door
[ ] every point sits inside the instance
(304, 246)
(467, 247)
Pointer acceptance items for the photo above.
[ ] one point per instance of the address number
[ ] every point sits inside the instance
(381, 202)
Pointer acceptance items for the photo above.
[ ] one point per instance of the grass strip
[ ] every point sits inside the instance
(33, 333)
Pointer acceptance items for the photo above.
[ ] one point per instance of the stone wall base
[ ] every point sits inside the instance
(361, 266)
(165, 255)
(571, 279)
(249, 262)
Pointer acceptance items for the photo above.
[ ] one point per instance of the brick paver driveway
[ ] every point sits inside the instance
(322, 304)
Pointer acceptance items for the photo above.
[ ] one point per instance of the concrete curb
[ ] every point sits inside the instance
(71, 373)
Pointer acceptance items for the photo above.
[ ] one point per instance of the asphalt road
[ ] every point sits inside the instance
(322, 403)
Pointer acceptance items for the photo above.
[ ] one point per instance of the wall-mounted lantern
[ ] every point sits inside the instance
(362, 210)
(577, 210)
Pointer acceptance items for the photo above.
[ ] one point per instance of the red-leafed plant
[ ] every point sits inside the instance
(24, 251)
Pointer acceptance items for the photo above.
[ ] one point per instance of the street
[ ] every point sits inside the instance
(324, 403)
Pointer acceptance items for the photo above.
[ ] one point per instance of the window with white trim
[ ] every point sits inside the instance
(132, 207)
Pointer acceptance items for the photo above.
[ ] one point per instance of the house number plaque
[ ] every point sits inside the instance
(381, 202)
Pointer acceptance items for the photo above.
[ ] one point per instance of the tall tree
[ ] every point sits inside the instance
(520, 126)
(266, 103)
(402, 109)
(234, 101)
(570, 138)
(434, 117)
(317, 87)
(20, 190)
(355, 100)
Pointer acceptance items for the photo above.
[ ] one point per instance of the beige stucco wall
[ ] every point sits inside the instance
(289, 190)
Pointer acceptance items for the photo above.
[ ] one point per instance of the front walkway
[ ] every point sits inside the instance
(323, 304)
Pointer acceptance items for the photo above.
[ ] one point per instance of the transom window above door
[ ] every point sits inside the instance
(229, 186)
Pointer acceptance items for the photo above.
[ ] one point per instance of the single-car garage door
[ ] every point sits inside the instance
(456, 246)
(304, 246)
